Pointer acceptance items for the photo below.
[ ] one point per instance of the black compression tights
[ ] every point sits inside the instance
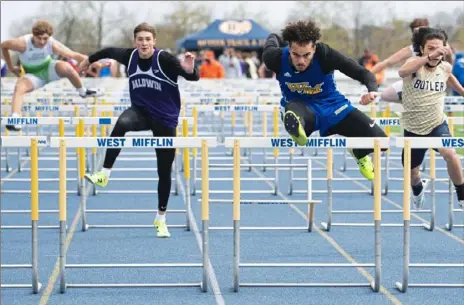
(134, 119)
(355, 124)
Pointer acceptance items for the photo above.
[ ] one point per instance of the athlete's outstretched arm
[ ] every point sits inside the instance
(412, 65)
(334, 60)
(272, 53)
(121, 55)
(62, 50)
(172, 67)
(396, 58)
(18, 45)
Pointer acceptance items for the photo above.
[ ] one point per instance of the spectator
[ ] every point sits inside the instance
(368, 61)
(211, 68)
(458, 69)
(231, 64)
(254, 57)
(251, 70)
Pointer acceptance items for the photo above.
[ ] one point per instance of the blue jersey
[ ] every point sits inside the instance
(316, 88)
(153, 91)
(312, 86)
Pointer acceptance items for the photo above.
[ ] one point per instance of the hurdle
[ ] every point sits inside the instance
(202, 143)
(407, 144)
(377, 143)
(233, 109)
(34, 143)
(234, 143)
(79, 124)
(139, 143)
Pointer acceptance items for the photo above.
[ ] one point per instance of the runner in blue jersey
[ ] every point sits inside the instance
(310, 98)
(155, 105)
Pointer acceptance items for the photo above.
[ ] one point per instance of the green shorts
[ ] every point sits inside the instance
(40, 78)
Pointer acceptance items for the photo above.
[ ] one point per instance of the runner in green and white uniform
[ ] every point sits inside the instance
(35, 53)
(38, 63)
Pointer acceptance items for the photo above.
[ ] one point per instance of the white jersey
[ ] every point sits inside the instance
(423, 100)
(36, 58)
(413, 53)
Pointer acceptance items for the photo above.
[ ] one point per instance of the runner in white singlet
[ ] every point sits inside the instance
(35, 53)
(393, 92)
(426, 78)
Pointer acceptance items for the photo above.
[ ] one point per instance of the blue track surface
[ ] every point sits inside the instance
(340, 245)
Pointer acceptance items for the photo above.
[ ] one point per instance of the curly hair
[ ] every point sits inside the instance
(301, 32)
(423, 35)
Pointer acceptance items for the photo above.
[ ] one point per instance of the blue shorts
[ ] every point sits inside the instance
(329, 115)
(418, 154)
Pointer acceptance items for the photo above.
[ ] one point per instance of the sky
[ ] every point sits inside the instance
(11, 11)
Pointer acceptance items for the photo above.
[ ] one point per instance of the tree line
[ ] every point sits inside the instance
(347, 26)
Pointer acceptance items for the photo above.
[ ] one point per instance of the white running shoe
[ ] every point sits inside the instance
(419, 200)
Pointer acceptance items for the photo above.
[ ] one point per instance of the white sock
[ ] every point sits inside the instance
(160, 217)
(82, 91)
(106, 172)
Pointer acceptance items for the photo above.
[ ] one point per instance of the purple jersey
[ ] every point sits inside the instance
(153, 91)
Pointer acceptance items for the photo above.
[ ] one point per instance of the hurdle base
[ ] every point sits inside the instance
(130, 226)
(436, 285)
(400, 287)
(429, 227)
(360, 224)
(21, 286)
(132, 285)
(304, 284)
(325, 226)
(260, 228)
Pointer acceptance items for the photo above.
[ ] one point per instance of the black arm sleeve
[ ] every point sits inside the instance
(121, 55)
(333, 60)
(172, 68)
(272, 53)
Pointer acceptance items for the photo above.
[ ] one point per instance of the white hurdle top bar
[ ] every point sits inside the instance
(326, 142)
(134, 142)
(426, 142)
(23, 141)
(236, 108)
(69, 120)
(395, 121)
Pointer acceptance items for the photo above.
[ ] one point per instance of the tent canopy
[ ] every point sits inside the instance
(230, 33)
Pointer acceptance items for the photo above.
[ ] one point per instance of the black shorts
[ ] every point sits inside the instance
(418, 154)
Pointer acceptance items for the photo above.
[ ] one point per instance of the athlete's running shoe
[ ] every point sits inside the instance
(294, 128)
(365, 166)
(92, 93)
(162, 229)
(99, 178)
(419, 200)
(13, 128)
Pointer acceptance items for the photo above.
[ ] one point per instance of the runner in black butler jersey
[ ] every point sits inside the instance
(155, 105)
